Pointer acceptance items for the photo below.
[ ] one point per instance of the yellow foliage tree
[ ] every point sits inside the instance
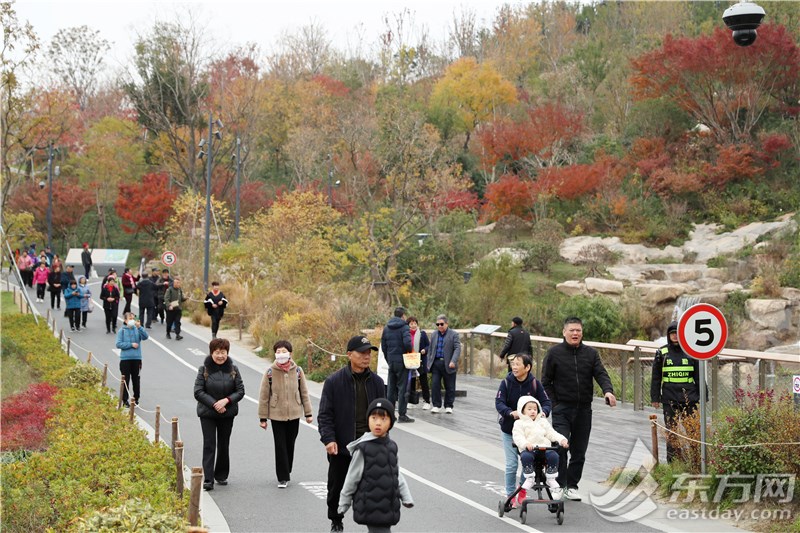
(473, 92)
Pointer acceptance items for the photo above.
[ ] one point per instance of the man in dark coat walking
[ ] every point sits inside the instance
(396, 341)
(518, 341)
(147, 300)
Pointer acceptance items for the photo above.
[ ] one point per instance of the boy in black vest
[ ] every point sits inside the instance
(374, 485)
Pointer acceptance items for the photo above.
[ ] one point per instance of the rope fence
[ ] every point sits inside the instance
(686, 437)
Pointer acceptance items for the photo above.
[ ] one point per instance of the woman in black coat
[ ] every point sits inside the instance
(109, 294)
(218, 390)
(215, 306)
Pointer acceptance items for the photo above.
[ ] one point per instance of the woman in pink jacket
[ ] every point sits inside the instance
(40, 280)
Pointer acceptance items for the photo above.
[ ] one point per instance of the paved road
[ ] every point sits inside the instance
(454, 475)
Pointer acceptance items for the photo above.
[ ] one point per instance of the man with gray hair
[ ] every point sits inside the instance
(443, 354)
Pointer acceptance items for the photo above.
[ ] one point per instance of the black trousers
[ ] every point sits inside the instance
(55, 298)
(216, 447)
(284, 433)
(129, 368)
(149, 312)
(74, 316)
(575, 423)
(174, 317)
(337, 471)
(128, 298)
(87, 270)
(673, 413)
(84, 315)
(40, 287)
(215, 319)
(160, 310)
(110, 309)
(397, 385)
(438, 374)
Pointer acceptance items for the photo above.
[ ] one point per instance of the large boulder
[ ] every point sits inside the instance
(769, 314)
(604, 286)
(653, 293)
(731, 287)
(572, 288)
(709, 284)
(791, 294)
(682, 275)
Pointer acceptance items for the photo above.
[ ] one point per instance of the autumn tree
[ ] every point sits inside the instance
(76, 58)
(70, 203)
(510, 195)
(724, 86)
(146, 206)
(469, 94)
(513, 44)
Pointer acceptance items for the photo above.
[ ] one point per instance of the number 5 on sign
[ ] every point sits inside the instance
(702, 331)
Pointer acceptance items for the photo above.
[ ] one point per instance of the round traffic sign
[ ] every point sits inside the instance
(702, 331)
(796, 385)
(169, 258)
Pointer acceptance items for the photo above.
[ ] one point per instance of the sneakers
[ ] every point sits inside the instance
(208, 485)
(557, 494)
(405, 419)
(571, 494)
(283, 485)
(178, 338)
(336, 526)
(426, 406)
(448, 410)
(436, 409)
(222, 482)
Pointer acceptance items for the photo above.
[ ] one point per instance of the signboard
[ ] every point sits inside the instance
(702, 331)
(102, 260)
(169, 258)
(796, 384)
(485, 329)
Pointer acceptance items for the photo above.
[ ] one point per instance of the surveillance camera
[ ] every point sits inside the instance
(743, 18)
(42, 184)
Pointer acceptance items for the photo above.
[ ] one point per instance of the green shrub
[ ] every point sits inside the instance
(83, 375)
(493, 293)
(38, 347)
(133, 515)
(539, 255)
(601, 317)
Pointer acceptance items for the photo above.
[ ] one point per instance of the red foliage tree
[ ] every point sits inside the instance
(574, 181)
(510, 195)
(331, 86)
(724, 86)
(543, 137)
(24, 417)
(146, 206)
(70, 203)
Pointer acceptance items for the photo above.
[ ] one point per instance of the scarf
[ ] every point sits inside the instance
(415, 338)
(284, 366)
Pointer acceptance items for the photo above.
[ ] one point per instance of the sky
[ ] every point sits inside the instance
(237, 22)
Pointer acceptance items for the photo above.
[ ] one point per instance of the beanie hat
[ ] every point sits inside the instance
(523, 400)
(386, 405)
(672, 328)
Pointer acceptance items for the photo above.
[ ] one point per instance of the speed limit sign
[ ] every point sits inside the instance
(169, 258)
(702, 331)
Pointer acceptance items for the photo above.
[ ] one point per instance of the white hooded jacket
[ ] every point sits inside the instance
(533, 432)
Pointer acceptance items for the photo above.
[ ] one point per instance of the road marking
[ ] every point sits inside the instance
(491, 486)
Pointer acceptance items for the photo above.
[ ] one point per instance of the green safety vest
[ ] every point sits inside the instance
(675, 373)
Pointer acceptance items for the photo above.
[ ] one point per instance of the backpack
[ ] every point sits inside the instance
(269, 378)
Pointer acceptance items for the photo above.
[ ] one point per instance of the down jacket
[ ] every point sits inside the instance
(534, 432)
(215, 382)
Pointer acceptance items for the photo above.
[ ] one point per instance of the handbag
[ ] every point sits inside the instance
(128, 290)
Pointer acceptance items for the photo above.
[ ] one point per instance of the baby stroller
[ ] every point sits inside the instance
(535, 495)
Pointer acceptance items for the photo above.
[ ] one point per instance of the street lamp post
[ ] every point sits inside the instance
(330, 180)
(209, 158)
(238, 175)
(50, 195)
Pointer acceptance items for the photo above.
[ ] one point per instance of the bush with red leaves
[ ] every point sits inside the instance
(23, 418)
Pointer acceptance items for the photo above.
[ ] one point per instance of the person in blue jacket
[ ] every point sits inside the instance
(72, 298)
(519, 382)
(129, 339)
(86, 299)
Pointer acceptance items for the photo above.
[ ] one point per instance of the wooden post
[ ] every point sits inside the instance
(89, 359)
(174, 434)
(637, 380)
(121, 390)
(762, 374)
(309, 358)
(105, 375)
(158, 422)
(714, 385)
(194, 498)
(61, 336)
(623, 366)
(131, 412)
(55, 326)
(69, 344)
(179, 467)
(241, 324)
(48, 316)
(491, 357)
(654, 431)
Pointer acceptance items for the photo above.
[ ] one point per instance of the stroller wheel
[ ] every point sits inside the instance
(559, 518)
(553, 507)
(501, 508)
(523, 516)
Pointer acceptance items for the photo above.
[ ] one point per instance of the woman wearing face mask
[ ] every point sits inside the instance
(283, 400)
(129, 341)
(86, 300)
(72, 299)
(218, 390)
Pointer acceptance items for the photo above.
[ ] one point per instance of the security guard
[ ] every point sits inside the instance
(675, 384)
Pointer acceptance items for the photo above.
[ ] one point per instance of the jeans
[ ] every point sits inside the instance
(438, 374)
(216, 444)
(512, 459)
(575, 423)
(398, 383)
(528, 458)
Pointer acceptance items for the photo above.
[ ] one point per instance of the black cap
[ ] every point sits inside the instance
(672, 328)
(386, 405)
(360, 343)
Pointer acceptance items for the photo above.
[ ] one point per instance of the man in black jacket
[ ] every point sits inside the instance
(147, 300)
(676, 384)
(567, 374)
(396, 341)
(342, 417)
(518, 341)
